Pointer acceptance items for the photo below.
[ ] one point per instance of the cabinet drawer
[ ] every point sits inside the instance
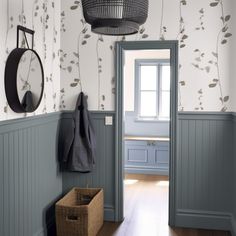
(136, 143)
(161, 144)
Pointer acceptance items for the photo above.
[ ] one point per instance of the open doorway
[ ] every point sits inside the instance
(146, 138)
(146, 107)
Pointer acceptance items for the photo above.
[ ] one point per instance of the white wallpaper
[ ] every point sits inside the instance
(73, 56)
(232, 65)
(44, 17)
(205, 33)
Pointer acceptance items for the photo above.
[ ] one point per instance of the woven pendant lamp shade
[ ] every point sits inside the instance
(115, 17)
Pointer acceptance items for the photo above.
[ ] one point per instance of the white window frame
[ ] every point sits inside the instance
(149, 62)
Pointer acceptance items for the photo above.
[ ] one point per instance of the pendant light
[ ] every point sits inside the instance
(115, 17)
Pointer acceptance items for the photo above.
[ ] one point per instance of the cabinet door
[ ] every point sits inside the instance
(136, 153)
(161, 155)
(147, 157)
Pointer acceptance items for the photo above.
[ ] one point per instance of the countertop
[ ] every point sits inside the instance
(147, 138)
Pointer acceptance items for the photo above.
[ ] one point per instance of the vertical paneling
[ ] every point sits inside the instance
(103, 175)
(15, 180)
(1, 186)
(29, 178)
(234, 175)
(204, 163)
(204, 170)
(198, 161)
(191, 162)
(184, 164)
(6, 220)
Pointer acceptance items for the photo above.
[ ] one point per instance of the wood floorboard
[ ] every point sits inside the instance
(146, 211)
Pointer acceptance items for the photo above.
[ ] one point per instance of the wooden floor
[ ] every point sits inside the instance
(146, 211)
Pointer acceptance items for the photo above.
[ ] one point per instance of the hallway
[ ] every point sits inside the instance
(146, 211)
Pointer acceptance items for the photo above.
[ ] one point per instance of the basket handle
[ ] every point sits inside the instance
(72, 218)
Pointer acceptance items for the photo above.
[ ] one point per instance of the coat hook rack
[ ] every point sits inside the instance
(25, 30)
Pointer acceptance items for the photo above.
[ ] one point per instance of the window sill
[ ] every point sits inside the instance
(152, 120)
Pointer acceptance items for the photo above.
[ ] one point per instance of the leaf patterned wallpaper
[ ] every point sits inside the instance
(44, 17)
(203, 28)
(74, 58)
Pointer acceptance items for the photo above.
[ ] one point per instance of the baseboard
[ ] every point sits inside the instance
(109, 213)
(203, 219)
(233, 223)
(146, 171)
(48, 229)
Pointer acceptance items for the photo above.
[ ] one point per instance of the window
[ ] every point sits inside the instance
(153, 89)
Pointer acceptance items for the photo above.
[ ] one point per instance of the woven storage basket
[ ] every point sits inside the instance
(75, 217)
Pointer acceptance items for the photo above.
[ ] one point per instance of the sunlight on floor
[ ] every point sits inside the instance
(130, 181)
(162, 183)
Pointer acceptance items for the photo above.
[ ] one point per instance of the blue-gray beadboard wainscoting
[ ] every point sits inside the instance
(204, 191)
(103, 175)
(30, 181)
(234, 177)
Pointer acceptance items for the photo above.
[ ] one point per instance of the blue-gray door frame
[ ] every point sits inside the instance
(119, 157)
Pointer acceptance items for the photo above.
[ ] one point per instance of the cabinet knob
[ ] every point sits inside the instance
(151, 143)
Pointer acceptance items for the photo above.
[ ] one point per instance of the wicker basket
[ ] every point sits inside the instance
(80, 213)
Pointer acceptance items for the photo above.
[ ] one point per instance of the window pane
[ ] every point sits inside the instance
(148, 77)
(165, 104)
(148, 104)
(165, 78)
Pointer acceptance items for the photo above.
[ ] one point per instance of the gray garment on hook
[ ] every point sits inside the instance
(79, 143)
(27, 102)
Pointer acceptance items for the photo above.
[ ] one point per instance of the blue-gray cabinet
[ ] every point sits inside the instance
(147, 157)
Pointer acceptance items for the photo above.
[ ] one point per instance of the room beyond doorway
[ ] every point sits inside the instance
(122, 47)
